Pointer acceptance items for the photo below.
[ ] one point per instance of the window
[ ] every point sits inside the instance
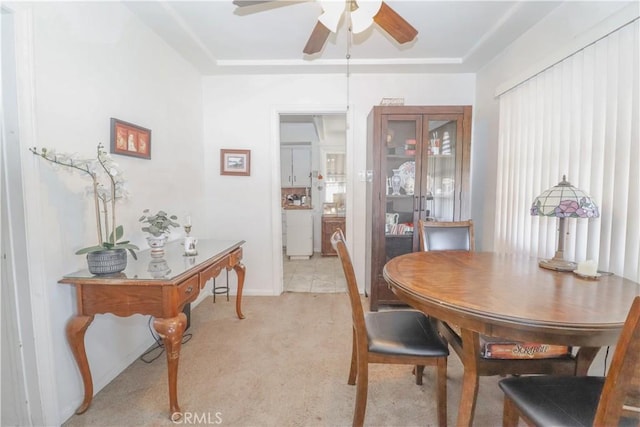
(579, 118)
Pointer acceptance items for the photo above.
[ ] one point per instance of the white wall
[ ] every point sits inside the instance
(81, 64)
(572, 25)
(241, 112)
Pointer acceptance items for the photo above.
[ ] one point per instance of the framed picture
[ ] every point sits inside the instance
(235, 162)
(130, 140)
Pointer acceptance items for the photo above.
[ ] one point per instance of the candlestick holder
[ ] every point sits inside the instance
(189, 242)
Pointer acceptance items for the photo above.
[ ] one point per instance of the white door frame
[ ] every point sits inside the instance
(27, 277)
(276, 207)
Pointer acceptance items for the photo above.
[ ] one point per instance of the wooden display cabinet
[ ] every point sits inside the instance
(420, 160)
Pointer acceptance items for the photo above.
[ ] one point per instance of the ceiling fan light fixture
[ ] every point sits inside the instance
(362, 17)
(332, 11)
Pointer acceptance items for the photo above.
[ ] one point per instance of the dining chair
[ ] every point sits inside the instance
(391, 337)
(459, 235)
(613, 400)
(446, 235)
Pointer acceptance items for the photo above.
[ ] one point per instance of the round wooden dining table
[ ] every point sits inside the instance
(511, 297)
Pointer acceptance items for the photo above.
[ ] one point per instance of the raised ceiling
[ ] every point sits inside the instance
(322, 126)
(453, 36)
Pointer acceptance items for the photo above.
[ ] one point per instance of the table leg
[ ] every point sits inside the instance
(240, 271)
(171, 330)
(584, 359)
(470, 381)
(76, 328)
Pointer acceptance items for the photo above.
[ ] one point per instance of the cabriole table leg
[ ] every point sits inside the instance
(76, 328)
(171, 330)
(240, 271)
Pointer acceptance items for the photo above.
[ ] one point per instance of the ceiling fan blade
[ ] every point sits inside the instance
(395, 24)
(362, 16)
(243, 3)
(332, 12)
(318, 38)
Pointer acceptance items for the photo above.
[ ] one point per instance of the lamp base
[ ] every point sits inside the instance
(558, 264)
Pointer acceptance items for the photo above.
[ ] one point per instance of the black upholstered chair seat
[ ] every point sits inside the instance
(582, 401)
(557, 401)
(403, 332)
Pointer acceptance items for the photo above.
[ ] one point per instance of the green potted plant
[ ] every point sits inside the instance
(158, 226)
(109, 255)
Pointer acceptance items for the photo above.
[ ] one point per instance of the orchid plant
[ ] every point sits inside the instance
(108, 185)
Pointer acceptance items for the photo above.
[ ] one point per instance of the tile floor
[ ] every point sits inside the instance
(318, 274)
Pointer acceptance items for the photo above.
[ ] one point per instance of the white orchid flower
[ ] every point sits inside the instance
(108, 187)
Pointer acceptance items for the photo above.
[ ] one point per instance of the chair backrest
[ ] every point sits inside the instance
(339, 245)
(622, 385)
(446, 236)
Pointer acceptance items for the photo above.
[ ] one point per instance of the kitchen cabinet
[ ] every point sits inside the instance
(330, 224)
(419, 158)
(335, 177)
(299, 233)
(295, 166)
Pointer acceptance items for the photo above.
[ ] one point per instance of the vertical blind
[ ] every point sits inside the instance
(578, 118)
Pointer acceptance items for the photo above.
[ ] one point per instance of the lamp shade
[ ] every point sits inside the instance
(564, 201)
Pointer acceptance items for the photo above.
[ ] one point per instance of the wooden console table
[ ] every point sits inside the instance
(155, 287)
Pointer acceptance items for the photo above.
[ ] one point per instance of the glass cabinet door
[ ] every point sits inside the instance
(420, 165)
(442, 165)
(400, 162)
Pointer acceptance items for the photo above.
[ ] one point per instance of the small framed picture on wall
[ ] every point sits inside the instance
(235, 162)
(130, 140)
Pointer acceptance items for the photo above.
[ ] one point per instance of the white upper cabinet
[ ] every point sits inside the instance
(295, 166)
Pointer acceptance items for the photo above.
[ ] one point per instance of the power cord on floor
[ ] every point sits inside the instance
(606, 355)
(159, 345)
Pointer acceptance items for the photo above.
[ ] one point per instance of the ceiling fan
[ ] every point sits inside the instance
(362, 13)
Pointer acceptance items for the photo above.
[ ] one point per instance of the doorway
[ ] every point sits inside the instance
(319, 189)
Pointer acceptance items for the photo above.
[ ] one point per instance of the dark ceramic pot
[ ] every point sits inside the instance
(108, 261)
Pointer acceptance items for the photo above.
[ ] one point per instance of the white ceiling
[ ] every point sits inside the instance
(453, 36)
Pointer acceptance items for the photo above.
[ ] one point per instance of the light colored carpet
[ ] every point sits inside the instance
(286, 364)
